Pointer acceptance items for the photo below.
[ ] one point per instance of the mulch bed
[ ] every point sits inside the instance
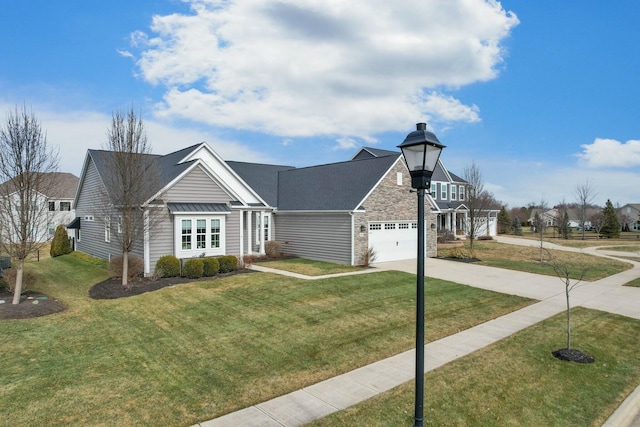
(113, 289)
(467, 260)
(32, 304)
(573, 355)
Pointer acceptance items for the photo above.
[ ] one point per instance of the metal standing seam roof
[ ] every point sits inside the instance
(198, 207)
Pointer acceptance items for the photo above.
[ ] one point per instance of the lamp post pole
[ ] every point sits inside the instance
(421, 151)
(419, 404)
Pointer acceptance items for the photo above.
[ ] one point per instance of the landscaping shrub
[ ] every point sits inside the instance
(60, 244)
(228, 263)
(136, 266)
(210, 267)
(167, 266)
(273, 249)
(193, 268)
(28, 279)
(247, 260)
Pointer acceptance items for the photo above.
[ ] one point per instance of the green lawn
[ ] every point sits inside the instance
(193, 352)
(520, 383)
(523, 258)
(635, 283)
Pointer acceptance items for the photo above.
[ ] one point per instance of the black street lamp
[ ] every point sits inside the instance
(421, 150)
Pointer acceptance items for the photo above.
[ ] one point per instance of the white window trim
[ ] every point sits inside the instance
(399, 178)
(107, 230)
(461, 192)
(454, 190)
(193, 252)
(444, 191)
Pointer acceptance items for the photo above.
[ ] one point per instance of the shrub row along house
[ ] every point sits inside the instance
(205, 206)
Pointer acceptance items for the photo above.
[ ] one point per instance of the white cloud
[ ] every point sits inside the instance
(604, 153)
(346, 144)
(74, 132)
(322, 67)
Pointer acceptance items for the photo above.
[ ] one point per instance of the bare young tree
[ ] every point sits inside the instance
(564, 272)
(132, 179)
(479, 201)
(540, 223)
(26, 166)
(584, 197)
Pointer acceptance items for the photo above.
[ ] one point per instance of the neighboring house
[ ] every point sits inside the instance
(450, 193)
(335, 212)
(55, 203)
(630, 216)
(551, 217)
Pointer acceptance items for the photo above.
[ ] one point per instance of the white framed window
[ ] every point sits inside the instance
(443, 191)
(215, 234)
(376, 226)
(433, 189)
(119, 225)
(65, 206)
(107, 230)
(52, 229)
(52, 206)
(186, 230)
(199, 234)
(461, 192)
(403, 226)
(399, 178)
(263, 218)
(454, 192)
(390, 226)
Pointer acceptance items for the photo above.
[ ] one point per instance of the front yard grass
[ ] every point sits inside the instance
(309, 267)
(524, 258)
(634, 283)
(517, 381)
(193, 352)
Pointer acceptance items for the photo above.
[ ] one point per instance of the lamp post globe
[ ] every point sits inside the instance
(421, 151)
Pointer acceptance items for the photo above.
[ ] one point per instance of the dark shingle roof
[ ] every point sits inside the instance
(336, 186)
(368, 152)
(262, 178)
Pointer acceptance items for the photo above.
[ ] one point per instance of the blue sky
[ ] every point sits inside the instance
(541, 95)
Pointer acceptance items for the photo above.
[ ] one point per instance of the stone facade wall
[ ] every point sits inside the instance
(392, 202)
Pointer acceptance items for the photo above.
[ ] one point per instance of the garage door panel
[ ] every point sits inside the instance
(393, 241)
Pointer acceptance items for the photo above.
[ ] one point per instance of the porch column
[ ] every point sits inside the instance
(241, 235)
(261, 232)
(249, 227)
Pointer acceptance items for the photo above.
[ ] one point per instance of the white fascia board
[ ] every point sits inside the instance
(446, 172)
(225, 173)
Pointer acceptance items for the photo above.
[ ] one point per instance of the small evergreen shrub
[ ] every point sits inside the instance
(210, 267)
(193, 268)
(168, 266)
(273, 249)
(135, 267)
(60, 244)
(228, 263)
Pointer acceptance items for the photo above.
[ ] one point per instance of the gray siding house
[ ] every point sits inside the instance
(207, 206)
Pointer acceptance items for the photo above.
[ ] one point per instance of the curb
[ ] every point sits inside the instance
(627, 414)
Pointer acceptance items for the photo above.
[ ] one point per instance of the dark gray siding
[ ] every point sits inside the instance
(92, 232)
(318, 236)
(160, 238)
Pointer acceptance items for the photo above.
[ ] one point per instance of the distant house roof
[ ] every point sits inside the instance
(64, 185)
(336, 186)
(262, 178)
(369, 152)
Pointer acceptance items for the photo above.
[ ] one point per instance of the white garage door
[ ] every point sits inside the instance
(393, 241)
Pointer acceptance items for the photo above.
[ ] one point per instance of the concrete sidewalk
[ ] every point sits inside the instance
(321, 399)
